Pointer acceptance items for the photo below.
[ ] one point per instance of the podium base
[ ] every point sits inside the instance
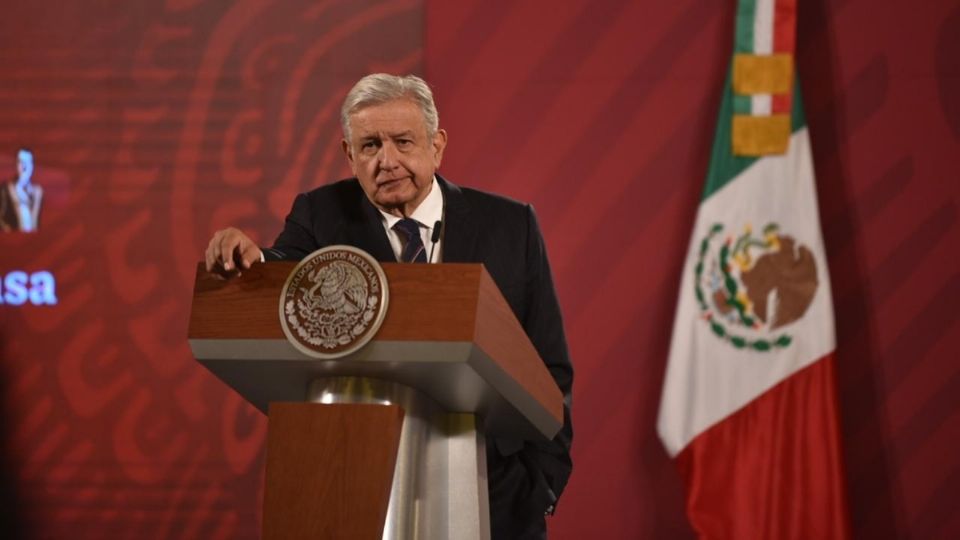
(439, 487)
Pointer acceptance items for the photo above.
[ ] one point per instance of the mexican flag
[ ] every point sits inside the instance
(749, 410)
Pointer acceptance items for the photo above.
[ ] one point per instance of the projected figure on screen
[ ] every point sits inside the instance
(20, 199)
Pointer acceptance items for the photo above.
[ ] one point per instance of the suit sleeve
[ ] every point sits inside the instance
(297, 239)
(527, 478)
(544, 324)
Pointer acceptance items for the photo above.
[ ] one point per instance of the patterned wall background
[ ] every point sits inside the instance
(164, 121)
(155, 123)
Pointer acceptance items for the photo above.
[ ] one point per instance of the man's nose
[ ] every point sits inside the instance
(388, 156)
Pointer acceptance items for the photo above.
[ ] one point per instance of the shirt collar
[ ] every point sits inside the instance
(427, 214)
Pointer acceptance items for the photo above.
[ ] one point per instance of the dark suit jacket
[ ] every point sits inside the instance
(524, 478)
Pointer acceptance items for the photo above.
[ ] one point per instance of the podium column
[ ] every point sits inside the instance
(439, 486)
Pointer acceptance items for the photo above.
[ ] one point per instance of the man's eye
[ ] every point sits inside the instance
(404, 142)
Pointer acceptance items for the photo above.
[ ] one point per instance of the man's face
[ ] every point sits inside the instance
(392, 156)
(24, 164)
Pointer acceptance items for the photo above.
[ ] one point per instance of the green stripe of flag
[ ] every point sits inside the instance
(746, 12)
(724, 166)
(742, 104)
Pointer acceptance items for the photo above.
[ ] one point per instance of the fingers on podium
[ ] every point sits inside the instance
(230, 248)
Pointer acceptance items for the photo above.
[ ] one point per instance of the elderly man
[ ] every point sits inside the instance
(391, 209)
(20, 199)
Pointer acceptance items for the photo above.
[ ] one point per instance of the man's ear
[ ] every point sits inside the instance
(351, 158)
(439, 144)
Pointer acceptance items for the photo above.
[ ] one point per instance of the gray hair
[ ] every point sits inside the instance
(379, 88)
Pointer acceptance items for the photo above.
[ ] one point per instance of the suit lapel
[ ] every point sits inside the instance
(366, 232)
(459, 229)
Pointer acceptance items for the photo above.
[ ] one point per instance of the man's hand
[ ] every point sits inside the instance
(230, 250)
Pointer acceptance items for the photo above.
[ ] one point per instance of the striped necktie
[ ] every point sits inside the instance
(413, 250)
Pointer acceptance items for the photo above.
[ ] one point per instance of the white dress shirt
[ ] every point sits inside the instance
(426, 215)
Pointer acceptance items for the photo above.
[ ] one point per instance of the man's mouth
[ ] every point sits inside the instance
(390, 181)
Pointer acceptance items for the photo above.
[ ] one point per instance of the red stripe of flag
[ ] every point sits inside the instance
(784, 26)
(784, 41)
(766, 471)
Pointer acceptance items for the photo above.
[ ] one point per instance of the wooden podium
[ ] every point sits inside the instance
(388, 442)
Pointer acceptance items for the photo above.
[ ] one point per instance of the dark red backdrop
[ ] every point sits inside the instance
(155, 123)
